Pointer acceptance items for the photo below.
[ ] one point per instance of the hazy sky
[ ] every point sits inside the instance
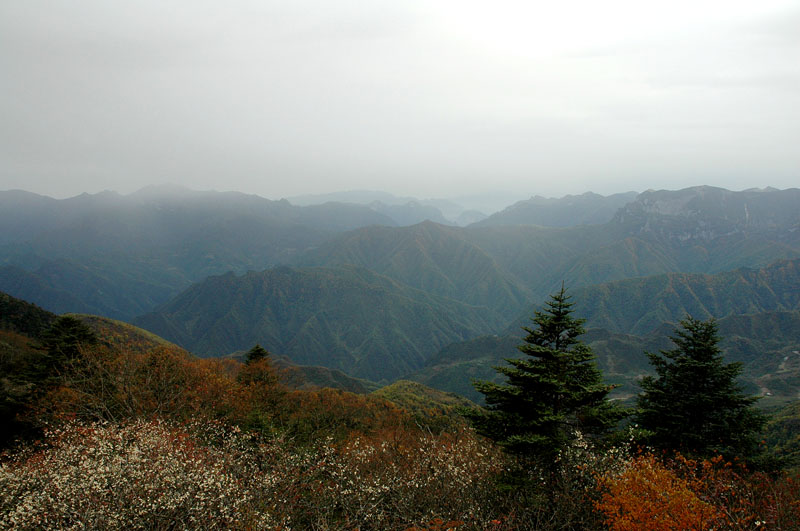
(423, 98)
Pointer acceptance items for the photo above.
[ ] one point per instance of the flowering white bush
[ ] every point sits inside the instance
(139, 475)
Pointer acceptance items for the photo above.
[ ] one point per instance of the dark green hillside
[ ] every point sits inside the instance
(639, 305)
(538, 257)
(626, 258)
(455, 367)
(767, 344)
(346, 318)
(64, 286)
(782, 433)
(23, 317)
(430, 257)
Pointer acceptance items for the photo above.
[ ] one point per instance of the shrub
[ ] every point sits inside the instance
(137, 475)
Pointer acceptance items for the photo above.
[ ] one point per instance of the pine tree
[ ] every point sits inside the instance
(694, 405)
(552, 394)
(256, 353)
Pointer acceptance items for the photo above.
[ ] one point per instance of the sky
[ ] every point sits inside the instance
(417, 98)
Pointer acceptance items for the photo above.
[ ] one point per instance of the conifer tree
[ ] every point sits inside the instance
(694, 404)
(256, 353)
(552, 394)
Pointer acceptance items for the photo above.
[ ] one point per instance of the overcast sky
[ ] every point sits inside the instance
(422, 98)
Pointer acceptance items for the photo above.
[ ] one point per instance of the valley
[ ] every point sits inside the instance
(344, 286)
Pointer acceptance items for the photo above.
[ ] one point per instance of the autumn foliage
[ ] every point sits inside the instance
(152, 437)
(652, 492)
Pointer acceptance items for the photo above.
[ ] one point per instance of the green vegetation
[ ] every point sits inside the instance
(436, 259)
(428, 406)
(782, 434)
(139, 433)
(553, 396)
(23, 317)
(384, 303)
(629, 317)
(694, 404)
(256, 353)
(344, 318)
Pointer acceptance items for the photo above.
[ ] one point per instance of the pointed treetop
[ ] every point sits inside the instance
(256, 353)
(555, 326)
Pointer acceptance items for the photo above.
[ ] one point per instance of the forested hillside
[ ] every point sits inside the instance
(430, 257)
(347, 318)
(758, 312)
(380, 301)
(128, 428)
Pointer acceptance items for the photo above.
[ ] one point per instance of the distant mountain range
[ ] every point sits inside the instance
(346, 286)
(122, 255)
(568, 211)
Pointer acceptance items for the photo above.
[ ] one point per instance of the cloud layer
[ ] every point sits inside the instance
(420, 98)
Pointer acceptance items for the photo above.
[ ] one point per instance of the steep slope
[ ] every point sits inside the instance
(63, 286)
(123, 336)
(640, 305)
(696, 230)
(759, 313)
(767, 344)
(346, 318)
(430, 257)
(711, 229)
(537, 257)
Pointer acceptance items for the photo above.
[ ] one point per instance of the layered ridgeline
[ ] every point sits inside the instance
(120, 256)
(759, 313)
(346, 318)
(695, 230)
(526, 261)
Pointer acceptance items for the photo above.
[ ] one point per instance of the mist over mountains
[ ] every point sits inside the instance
(382, 287)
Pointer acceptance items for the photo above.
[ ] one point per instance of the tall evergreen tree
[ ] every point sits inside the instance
(256, 353)
(694, 403)
(552, 394)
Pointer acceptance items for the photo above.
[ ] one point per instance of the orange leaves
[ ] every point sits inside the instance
(103, 384)
(648, 495)
(682, 493)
